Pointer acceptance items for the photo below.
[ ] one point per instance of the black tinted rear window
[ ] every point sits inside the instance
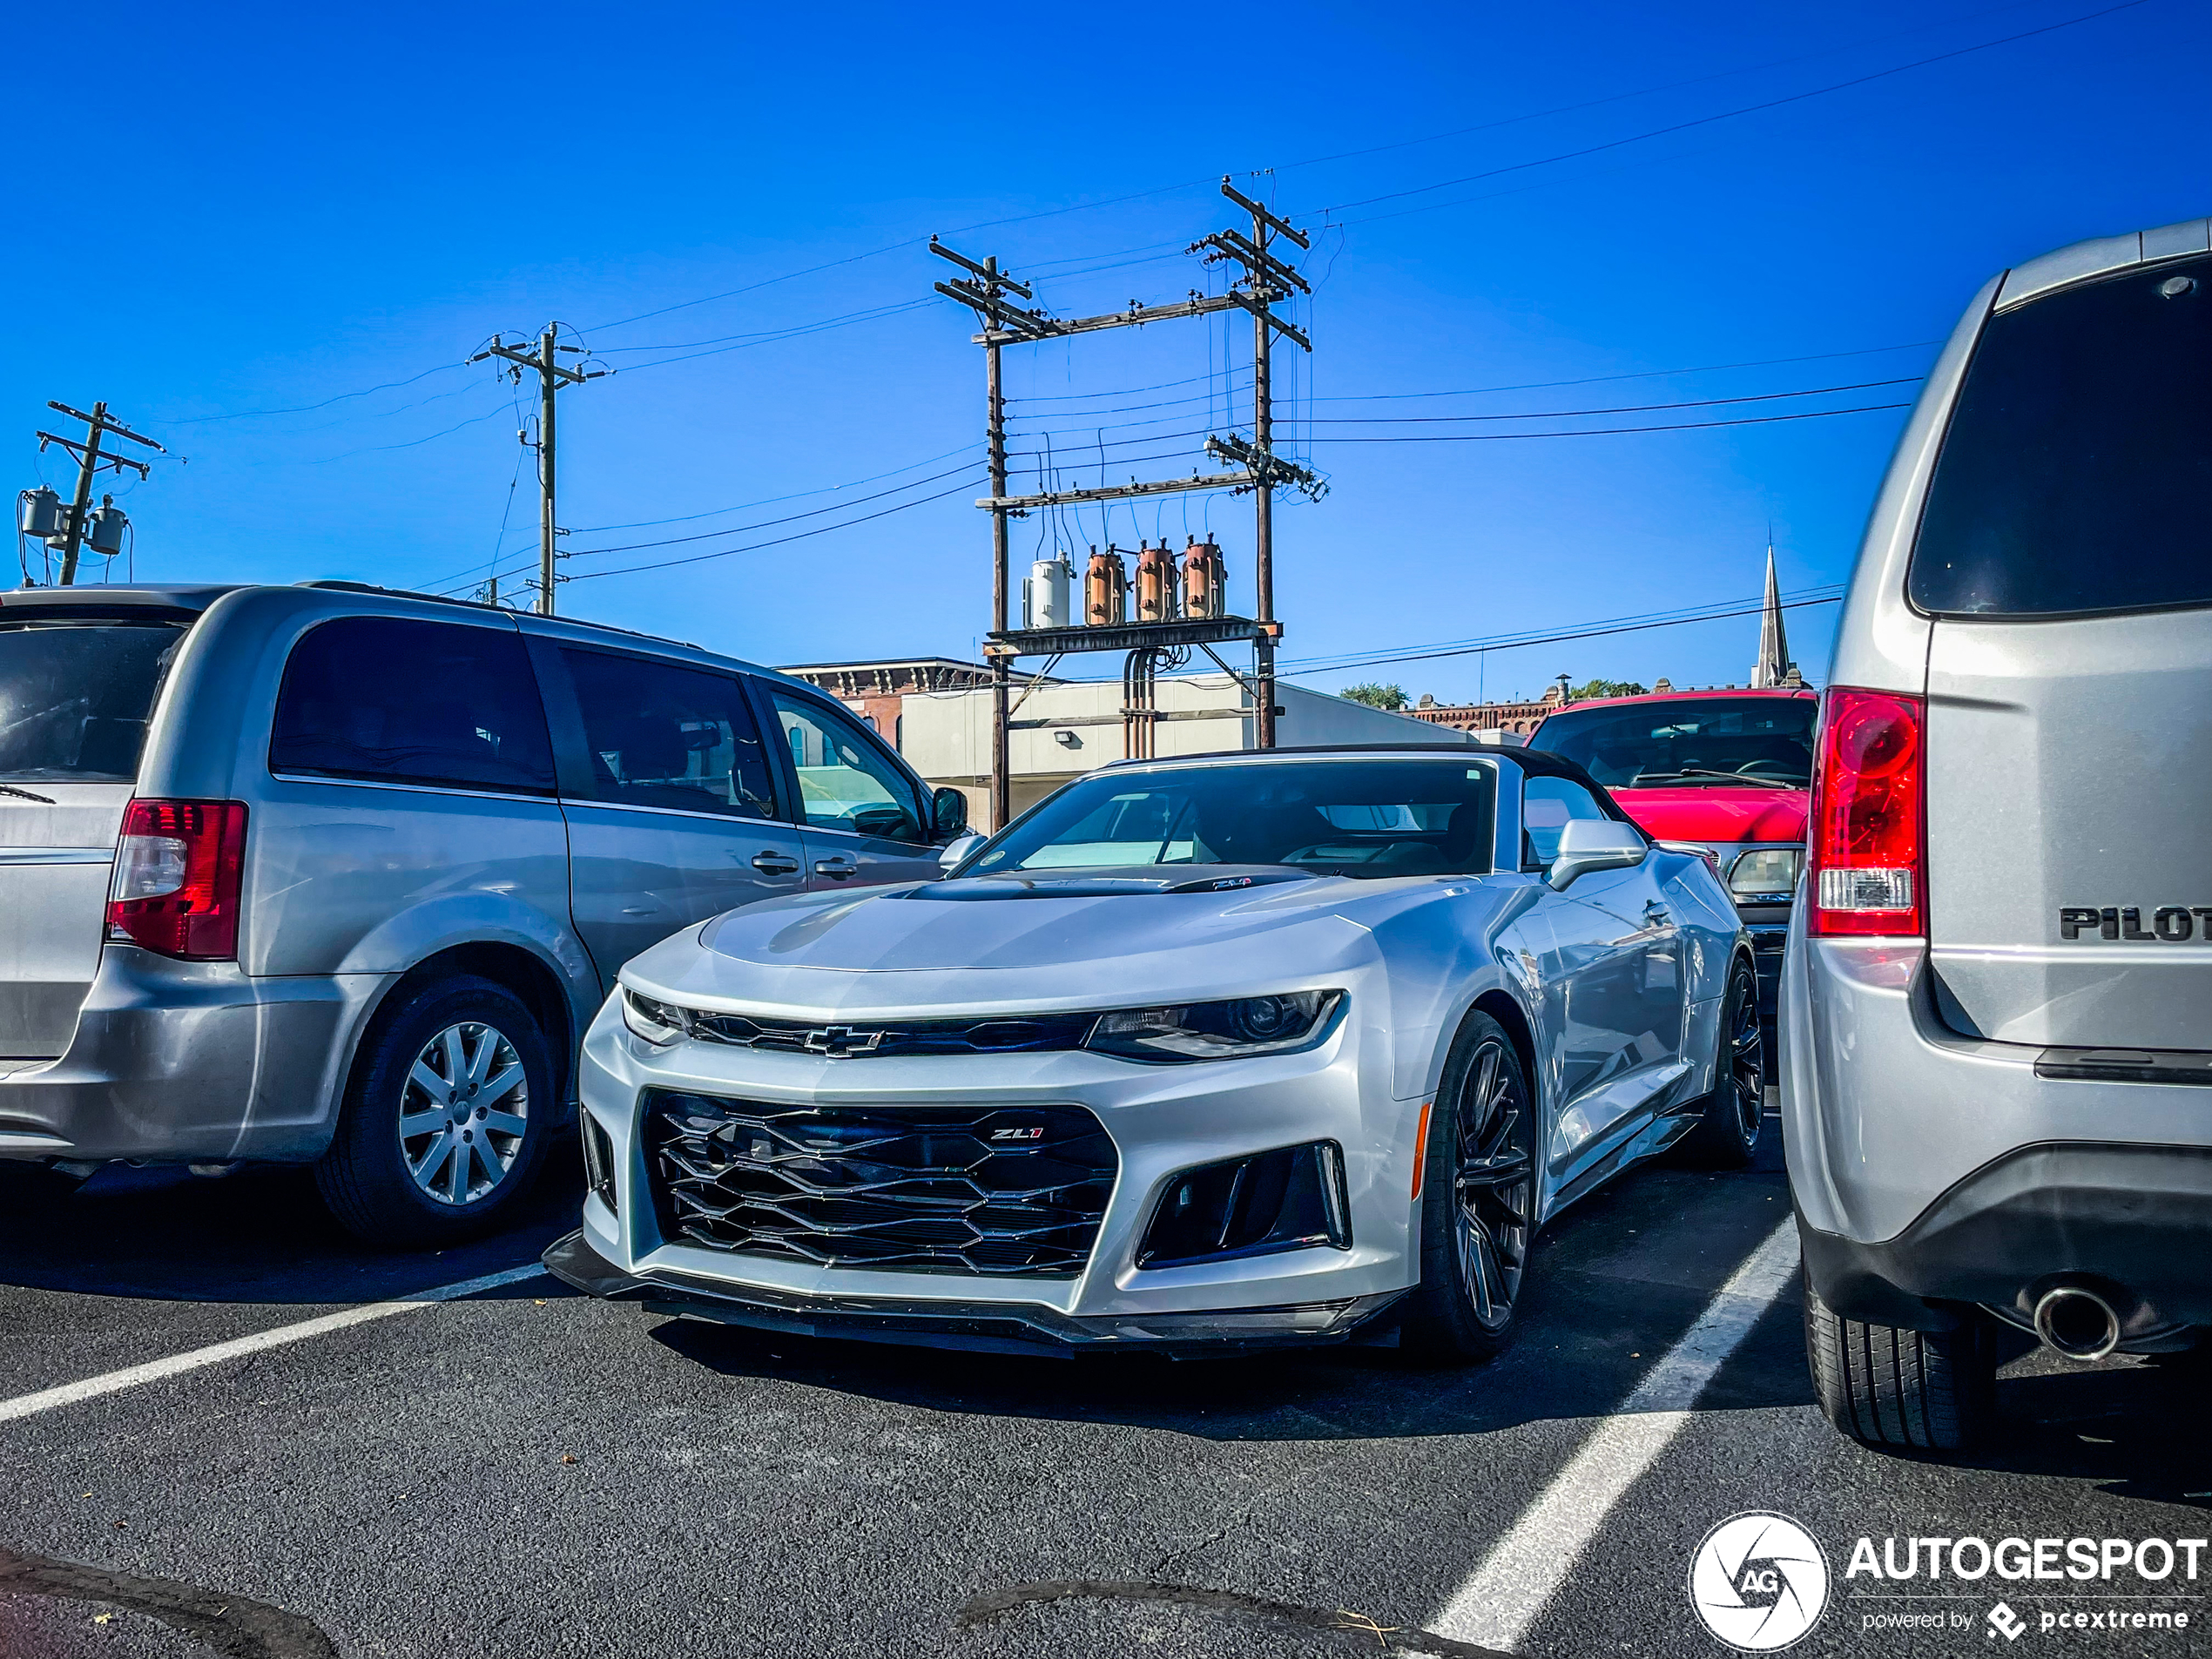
(400, 701)
(2077, 474)
(75, 696)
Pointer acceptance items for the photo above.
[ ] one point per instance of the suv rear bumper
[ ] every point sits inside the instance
(1929, 1167)
(2133, 1222)
(188, 1062)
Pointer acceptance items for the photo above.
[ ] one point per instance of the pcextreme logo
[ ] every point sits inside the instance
(1758, 1581)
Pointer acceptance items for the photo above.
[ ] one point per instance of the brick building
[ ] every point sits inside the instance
(877, 692)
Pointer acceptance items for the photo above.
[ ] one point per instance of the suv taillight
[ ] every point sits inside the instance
(1865, 842)
(178, 869)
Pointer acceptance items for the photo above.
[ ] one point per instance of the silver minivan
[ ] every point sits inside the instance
(336, 875)
(1996, 1018)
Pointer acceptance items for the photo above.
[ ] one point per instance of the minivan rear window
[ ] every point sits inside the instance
(2077, 474)
(75, 694)
(395, 700)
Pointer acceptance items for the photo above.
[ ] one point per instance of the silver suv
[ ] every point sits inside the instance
(1996, 1017)
(332, 874)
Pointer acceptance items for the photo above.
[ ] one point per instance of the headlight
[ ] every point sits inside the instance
(1766, 869)
(1249, 1025)
(657, 1022)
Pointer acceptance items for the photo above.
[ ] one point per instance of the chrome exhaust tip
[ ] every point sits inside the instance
(2076, 1322)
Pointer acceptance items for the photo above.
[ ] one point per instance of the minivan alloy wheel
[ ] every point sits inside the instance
(463, 1113)
(1493, 1185)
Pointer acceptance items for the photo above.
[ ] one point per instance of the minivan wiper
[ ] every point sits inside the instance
(1693, 774)
(10, 789)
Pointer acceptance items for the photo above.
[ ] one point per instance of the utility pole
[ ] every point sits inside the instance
(1253, 466)
(552, 376)
(89, 460)
(1266, 279)
(993, 285)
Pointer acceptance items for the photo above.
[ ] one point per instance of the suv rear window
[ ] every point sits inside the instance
(75, 696)
(394, 700)
(2077, 474)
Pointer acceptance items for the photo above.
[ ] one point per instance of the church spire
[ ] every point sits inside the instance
(1774, 666)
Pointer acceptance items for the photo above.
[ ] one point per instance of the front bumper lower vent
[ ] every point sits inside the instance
(991, 1191)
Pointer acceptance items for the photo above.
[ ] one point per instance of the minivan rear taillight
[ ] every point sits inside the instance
(177, 872)
(1865, 843)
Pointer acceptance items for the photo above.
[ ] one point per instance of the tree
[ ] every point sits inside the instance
(1376, 696)
(1601, 688)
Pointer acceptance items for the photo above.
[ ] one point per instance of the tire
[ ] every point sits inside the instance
(408, 1168)
(1478, 1202)
(1730, 1117)
(1885, 1386)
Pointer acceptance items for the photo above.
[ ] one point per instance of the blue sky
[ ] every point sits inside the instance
(265, 209)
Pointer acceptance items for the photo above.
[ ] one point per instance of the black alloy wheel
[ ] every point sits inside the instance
(1478, 1201)
(1730, 1118)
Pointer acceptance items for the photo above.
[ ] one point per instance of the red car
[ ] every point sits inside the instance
(1730, 770)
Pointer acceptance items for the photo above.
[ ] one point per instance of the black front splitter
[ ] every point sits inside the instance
(986, 1327)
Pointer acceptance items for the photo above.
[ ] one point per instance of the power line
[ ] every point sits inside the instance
(791, 518)
(1726, 115)
(1605, 431)
(1624, 408)
(1509, 643)
(771, 501)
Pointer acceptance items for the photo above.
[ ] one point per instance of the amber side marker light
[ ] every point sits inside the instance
(1866, 845)
(1421, 1148)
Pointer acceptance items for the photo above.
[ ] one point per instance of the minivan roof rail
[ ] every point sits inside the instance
(335, 584)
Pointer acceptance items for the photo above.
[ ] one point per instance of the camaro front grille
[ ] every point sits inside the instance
(995, 1191)
(1019, 1034)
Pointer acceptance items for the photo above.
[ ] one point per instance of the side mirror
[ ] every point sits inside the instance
(1588, 844)
(966, 842)
(948, 814)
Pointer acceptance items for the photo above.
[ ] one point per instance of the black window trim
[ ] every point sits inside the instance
(917, 786)
(379, 780)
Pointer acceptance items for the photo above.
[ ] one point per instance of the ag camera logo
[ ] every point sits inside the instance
(1758, 1581)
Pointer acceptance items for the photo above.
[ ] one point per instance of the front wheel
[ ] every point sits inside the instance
(1478, 1201)
(1728, 1119)
(445, 1118)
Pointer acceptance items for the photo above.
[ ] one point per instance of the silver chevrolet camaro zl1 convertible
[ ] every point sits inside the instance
(1233, 1050)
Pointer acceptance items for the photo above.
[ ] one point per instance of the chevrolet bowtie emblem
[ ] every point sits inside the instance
(839, 1041)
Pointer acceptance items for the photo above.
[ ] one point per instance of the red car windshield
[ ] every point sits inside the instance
(1705, 742)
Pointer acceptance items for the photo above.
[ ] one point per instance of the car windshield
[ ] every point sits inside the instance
(1699, 742)
(1356, 818)
(75, 696)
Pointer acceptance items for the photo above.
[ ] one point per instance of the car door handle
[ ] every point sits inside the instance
(775, 864)
(837, 867)
(1654, 911)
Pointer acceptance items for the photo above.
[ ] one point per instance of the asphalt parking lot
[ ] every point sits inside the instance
(521, 1470)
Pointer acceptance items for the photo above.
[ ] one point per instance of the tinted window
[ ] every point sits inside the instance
(1547, 805)
(1705, 742)
(1354, 818)
(660, 735)
(2077, 474)
(400, 701)
(845, 780)
(75, 696)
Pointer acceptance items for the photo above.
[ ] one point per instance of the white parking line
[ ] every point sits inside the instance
(1503, 1596)
(154, 1370)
